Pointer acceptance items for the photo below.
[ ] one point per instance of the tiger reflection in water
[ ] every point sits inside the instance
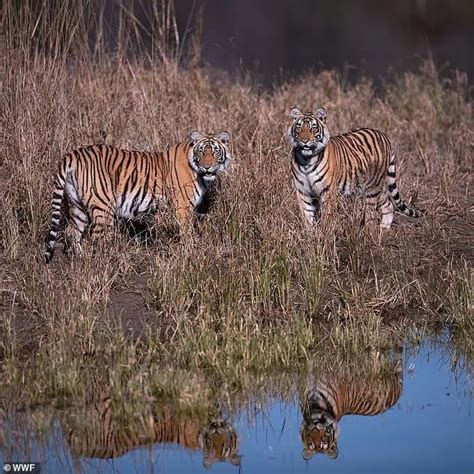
(329, 397)
(100, 433)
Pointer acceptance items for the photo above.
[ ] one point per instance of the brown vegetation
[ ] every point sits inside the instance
(252, 289)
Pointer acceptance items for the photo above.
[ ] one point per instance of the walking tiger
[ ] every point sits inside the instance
(99, 184)
(359, 161)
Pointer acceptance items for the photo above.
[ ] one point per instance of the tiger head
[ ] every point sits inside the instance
(308, 132)
(209, 154)
(219, 442)
(319, 435)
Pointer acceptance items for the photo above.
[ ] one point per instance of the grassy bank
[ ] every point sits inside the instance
(252, 290)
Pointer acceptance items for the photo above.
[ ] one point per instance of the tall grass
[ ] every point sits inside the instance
(252, 289)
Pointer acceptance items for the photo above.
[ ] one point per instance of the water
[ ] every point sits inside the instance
(428, 429)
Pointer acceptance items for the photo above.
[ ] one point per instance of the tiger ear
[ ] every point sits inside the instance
(208, 461)
(295, 113)
(196, 136)
(307, 454)
(223, 137)
(333, 453)
(235, 460)
(321, 114)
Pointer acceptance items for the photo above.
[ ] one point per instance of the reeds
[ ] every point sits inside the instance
(252, 290)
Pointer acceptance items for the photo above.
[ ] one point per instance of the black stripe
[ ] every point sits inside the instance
(321, 175)
(373, 194)
(104, 175)
(80, 218)
(125, 164)
(355, 143)
(155, 166)
(175, 170)
(297, 178)
(82, 169)
(324, 191)
(345, 166)
(146, 184)
(116, 156)
(367, 141)
(106, 211)
(94, 172)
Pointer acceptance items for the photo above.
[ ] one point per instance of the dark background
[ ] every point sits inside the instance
(276, 39)
(270, 36)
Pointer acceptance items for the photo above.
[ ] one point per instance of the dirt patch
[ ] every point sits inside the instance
(130, 303)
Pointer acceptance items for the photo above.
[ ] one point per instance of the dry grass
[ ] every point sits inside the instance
(252, 290)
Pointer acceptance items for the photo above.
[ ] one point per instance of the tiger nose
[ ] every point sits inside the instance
(305, 139)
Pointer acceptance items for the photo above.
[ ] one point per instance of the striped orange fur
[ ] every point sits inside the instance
(358, 162)
(100, 433)
(101, 183)
(328, 398)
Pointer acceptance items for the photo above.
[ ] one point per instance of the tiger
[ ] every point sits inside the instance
(328, 398)
(359, 161)
(101, 433)
(99, 184)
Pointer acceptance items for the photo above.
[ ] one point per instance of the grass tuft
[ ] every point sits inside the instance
(252, 290)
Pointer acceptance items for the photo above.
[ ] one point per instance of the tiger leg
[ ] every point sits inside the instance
(386, 208)
(102, 220)
(79, 222)
(328, 201)
(184, 213)
(371, 207)
(310, 207)
(184, 217)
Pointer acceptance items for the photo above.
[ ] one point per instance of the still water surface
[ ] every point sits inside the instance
(424, 425)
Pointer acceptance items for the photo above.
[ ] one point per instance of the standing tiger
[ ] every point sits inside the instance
(359, 161)
(101, 183)
(328, 398)
(102, 432)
